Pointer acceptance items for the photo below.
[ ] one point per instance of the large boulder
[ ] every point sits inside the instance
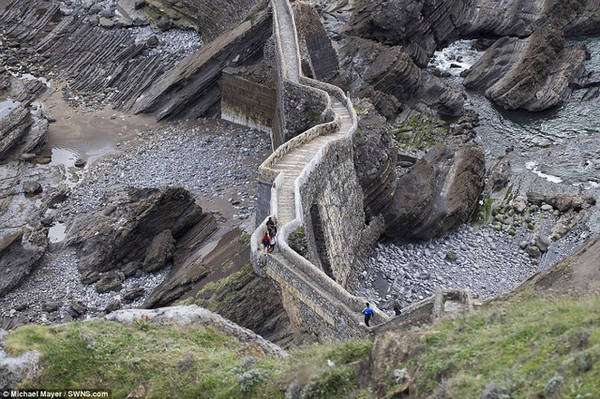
(534, 74)
(439, 192)
(20, 250)
(131, 228)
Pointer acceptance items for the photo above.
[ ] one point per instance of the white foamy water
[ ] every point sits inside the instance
(455, 58)
(533, 166)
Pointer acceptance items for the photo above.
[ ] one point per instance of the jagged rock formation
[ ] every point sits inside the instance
(106, 64)
(19, 251)
(390, 78)
(127, 233)
(587, 21)
(533, 73)
(184, 315)
(439, 192)
(194, 259)
(209, 18)
(193, 83)
(421, 27)
(252, 302)
(109, 64)
(22, 131)
(375, 159)
(579, 272)
(13, 128)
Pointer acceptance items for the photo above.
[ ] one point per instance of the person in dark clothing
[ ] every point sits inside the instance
(271, 228)
(368, 312)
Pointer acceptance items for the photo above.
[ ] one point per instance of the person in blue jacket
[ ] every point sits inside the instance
(368, 312)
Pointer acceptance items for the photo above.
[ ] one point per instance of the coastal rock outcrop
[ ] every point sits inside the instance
(421, 27)
(210, 18)
(439, 192)
(533, 73)
(318, 56)
(192, 86)
(127, 233)
(19, 251)
(371, 68)
(375, 158)
(22, 131)
(13, 128)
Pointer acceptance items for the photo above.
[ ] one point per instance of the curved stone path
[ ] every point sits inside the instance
(292, 164)
(287, 39)
(295, 274)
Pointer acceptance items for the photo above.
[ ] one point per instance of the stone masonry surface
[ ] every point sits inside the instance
(314, 169)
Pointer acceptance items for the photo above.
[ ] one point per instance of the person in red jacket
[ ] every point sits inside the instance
(266, 242)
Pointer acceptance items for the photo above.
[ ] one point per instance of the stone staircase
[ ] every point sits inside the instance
(293, 163)
(287, 168)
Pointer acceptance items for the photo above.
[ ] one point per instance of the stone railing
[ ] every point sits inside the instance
(321, 293)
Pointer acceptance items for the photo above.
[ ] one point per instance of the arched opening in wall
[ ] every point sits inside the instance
(315, 217)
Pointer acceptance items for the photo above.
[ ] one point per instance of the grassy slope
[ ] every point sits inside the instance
(107, 355)
(520, 345)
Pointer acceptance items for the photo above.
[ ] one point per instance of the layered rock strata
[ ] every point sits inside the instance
(192, 86)
(439, 192)
(389, 76)
(135, 230)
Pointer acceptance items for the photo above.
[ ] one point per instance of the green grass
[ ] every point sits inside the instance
(419, 131)
(222, 294)
(108, 355)
(529, 346)
(519, 346)
(111, 356)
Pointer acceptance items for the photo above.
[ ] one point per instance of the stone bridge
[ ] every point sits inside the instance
(310, 187)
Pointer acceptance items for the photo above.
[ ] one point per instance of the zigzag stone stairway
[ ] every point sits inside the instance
(310, 296)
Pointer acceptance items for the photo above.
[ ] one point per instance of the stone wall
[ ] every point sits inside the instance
(263, 200)
(307, 308)
(303, 108)
(328, 186)
(334, 188)
(247, 103)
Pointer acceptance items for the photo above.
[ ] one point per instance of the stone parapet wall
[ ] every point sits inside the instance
(247, 103)
(328, 180)
(267, 171)
(308, 307)
(304, 107)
